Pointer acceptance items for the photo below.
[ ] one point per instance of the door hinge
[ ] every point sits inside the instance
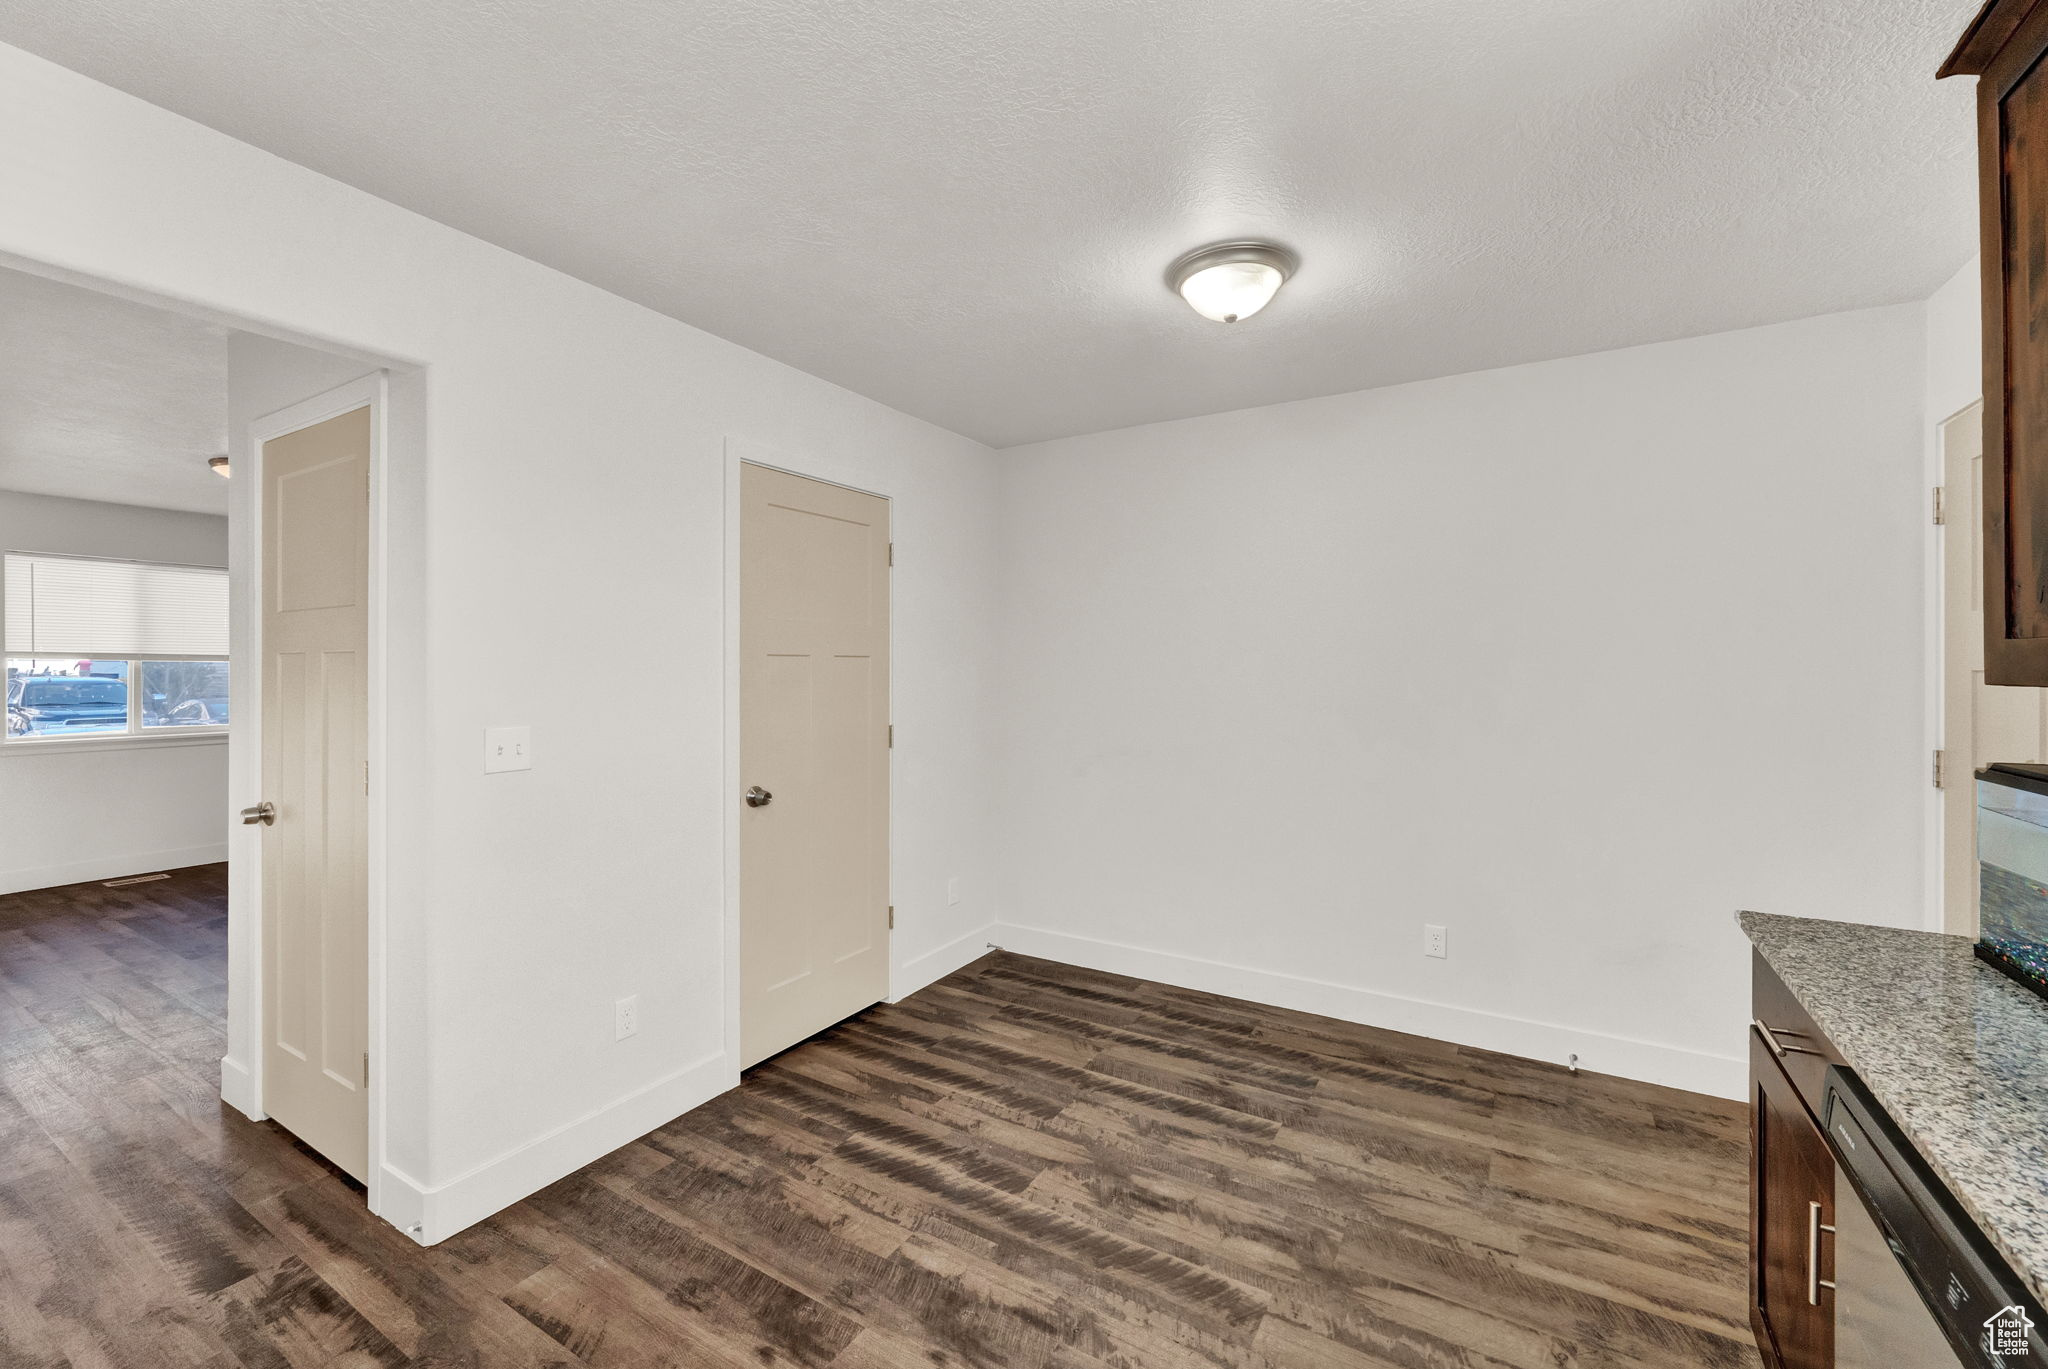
(1940, 505)
(1940, 769)
(366, 777)
(892, 553)
(892, 734)
(892, 917)
(366, 1069)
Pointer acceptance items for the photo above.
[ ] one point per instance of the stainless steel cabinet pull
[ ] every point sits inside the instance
(264, 812)
(1814, 1282)
(757, 797)
(1771, 1034)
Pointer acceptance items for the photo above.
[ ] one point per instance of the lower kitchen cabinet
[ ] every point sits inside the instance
(1792, 1215)
(1791, 1182)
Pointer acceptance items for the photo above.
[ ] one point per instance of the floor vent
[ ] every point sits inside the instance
(131, 879)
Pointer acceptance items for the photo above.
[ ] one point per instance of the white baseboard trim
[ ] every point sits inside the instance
(108, 867)
(238, 1088)
(441, 1210)
(934, 965)
(401, 1200)
(1673, 1066)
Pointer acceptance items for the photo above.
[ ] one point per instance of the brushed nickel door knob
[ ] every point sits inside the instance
(757, 797)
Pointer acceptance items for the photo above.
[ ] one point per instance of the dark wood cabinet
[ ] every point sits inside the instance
(2003, 48)
(1792, 1206)
(1792, 1183)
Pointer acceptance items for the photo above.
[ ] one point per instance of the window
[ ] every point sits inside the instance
(101, 649)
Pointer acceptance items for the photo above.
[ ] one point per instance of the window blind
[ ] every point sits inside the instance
(74, 606)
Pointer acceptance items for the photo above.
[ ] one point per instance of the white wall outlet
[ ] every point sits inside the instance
(953, 890)
(1433, 939)
(507, 748)
(625, 1017)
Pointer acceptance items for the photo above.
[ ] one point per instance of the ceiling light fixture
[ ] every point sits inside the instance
(219, 466)
(1231, 280)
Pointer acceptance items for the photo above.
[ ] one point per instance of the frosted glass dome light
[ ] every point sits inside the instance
(1232, 280)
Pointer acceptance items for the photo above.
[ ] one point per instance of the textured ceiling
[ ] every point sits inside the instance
(103, 399)
(965, 208)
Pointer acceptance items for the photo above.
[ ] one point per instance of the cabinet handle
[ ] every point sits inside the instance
(1814, 1282)
(1770, 1035)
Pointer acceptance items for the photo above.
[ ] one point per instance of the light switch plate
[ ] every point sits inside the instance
(507, 748)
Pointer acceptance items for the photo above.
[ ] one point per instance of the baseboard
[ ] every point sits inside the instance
(108, 867)
(1649, 1061)
(238, 1088)
(441, 1210)
(932, 966)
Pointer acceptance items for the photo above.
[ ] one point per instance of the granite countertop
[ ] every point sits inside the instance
(1956, 1052)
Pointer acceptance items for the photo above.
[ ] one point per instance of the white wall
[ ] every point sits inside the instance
(1574, 658)
(109, 808)
(571, 501)
(1955, 346)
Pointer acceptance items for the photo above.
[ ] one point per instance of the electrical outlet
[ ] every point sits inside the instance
(507, 748)
(953, 891)
(1433, 938)
(625, 1017)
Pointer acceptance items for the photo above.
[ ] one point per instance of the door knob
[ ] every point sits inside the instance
(264, 812)
(757, 797)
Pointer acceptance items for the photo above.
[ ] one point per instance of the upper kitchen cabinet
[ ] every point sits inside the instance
(2003, 48)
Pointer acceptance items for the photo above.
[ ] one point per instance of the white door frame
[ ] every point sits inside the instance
(245, 757)
(738, 453)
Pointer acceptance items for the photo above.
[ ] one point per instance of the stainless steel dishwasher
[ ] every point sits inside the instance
(1917, 1285)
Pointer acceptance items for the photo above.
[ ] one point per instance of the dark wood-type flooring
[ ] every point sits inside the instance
(1026, 1164)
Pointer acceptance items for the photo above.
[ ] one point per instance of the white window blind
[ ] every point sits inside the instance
(73, 606)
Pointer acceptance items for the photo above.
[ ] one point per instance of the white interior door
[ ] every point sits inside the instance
(1981, 723)
(814, 740)
(315, 640)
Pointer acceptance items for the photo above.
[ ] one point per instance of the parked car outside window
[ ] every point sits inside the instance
(39, 705)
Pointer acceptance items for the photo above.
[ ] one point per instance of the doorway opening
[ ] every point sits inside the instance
(1981, 724)
(171, 511)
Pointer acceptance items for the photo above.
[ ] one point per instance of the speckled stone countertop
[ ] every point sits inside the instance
(1956, 1052)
